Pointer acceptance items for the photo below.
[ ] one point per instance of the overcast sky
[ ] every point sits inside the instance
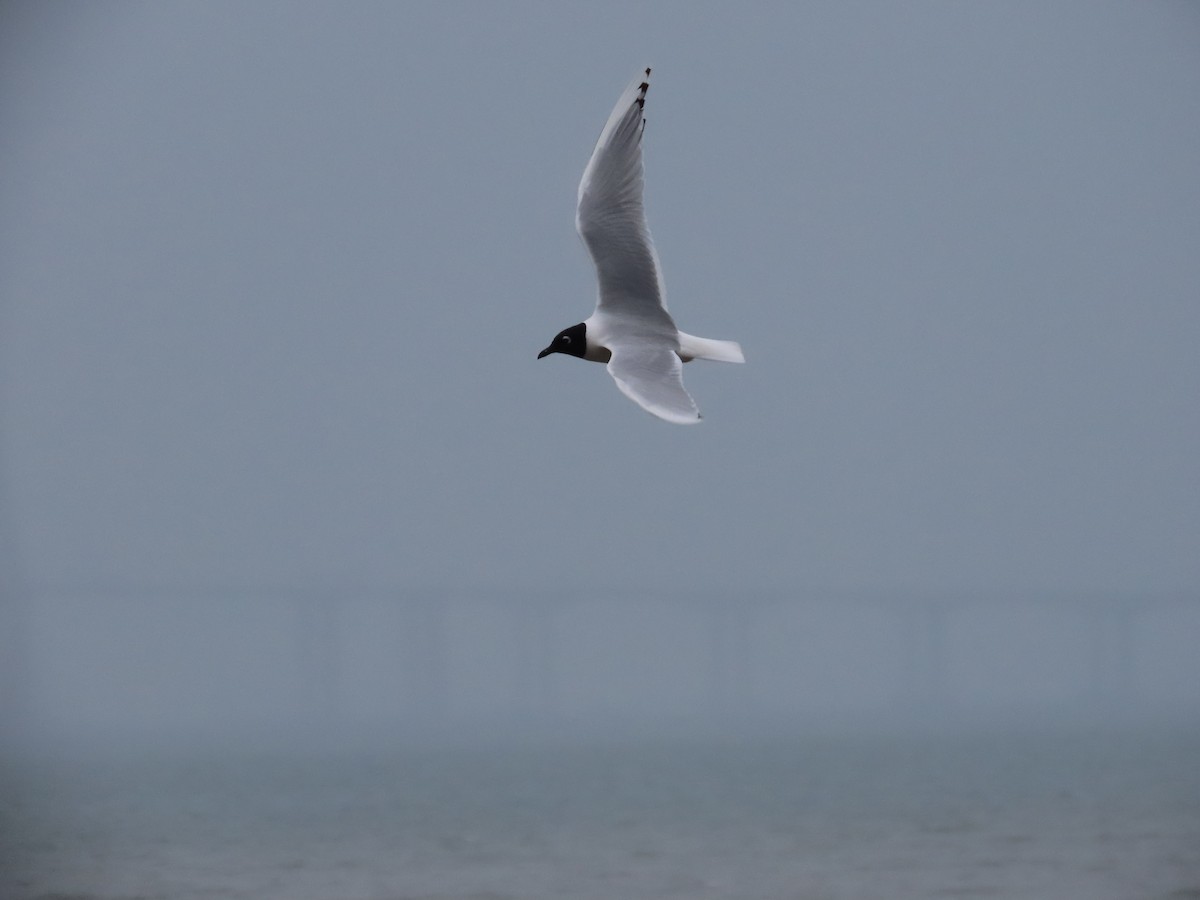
(273, 278)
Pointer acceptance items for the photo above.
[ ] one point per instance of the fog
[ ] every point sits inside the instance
(276, 451)
(315, 583)
(353, 670)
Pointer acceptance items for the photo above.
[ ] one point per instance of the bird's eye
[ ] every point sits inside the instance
(566, 339)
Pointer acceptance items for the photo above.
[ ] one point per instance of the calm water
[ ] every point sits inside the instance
(1081, 816)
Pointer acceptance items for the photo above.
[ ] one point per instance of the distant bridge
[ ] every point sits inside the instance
(440, 654)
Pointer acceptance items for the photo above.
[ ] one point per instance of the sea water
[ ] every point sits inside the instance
(1080, 815)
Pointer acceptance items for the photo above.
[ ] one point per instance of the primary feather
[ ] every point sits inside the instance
(611, 218)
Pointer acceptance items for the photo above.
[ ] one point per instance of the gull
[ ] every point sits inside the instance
(630, 329)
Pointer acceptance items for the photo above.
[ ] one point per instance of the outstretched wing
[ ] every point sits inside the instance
(651, 375)
(612, 221)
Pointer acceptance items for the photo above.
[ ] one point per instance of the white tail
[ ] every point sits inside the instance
(692, 347)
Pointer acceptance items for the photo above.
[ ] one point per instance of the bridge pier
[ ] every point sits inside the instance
(424, 647)
(16, 663)
(1111, 656)
(730, 678)
(925, 667)
(318, 656)
(536, 669)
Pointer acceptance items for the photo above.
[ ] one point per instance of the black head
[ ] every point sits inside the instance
(572, 341)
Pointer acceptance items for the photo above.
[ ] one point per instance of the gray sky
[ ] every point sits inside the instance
(273, 278)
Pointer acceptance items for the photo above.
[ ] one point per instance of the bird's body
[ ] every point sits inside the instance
(631, 330)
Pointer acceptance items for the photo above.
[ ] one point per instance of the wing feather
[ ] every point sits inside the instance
(651, 375)
(611, 218)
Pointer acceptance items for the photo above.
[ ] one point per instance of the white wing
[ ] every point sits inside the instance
(612, 221)
(651, 375)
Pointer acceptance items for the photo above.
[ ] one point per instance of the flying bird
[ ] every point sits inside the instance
(630, 329)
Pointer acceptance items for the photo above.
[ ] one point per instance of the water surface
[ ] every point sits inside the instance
(1055, 816)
